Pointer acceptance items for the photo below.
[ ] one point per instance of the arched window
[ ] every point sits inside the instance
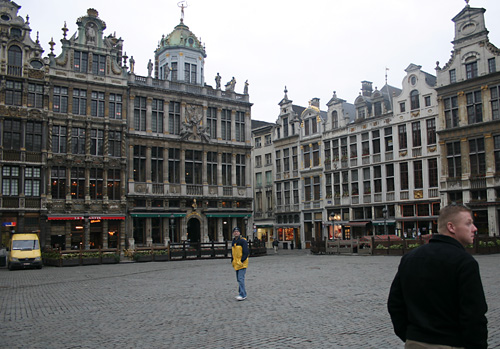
(414, 100)
(15, 61)
(335, 120)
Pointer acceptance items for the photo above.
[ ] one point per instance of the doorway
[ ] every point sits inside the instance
(193, 230)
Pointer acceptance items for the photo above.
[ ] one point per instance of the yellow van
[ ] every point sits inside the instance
(24, 251)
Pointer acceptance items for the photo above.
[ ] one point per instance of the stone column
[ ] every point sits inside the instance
(149, 112)
(131, 108)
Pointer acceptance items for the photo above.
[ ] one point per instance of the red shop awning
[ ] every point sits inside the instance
(357, 224)
(65, 218)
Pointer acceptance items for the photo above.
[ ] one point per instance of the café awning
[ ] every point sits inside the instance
(357, 224)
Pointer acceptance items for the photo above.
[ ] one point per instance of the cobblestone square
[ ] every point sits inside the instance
(296, 300)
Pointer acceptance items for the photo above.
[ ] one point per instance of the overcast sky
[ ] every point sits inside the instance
(311, 47)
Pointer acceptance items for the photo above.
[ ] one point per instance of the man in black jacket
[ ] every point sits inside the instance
(437, 297)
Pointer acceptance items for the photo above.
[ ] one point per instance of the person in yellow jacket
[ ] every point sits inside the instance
(239, 259)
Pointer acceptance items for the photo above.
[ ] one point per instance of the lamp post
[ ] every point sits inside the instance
(384, 212)
(172, 222)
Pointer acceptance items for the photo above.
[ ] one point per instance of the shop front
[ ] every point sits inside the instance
(85, 232)
(289, 236)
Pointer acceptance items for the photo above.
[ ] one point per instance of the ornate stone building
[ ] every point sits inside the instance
(95, 156)
(468, 88)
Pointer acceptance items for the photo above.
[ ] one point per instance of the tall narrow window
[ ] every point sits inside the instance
(451, 112)
(12, 134)
(416, 135)
(59, 137)
(433, 173)
(414, 100)
(492, 68)
(431, 131)
(239, 124)
(335, 120)
(115, 106)
(173, 72)
(285, 127)
(174, 118)
(79, 101)
(81, 61)
(278, 161)
(477, 157)
(58, 182)
(307, 156)
(13, 93)
(10, 181)
(495, 102)
(317, 188)
(315, 154)
(226, 124)
(114, 184)
(174, 163)
(471, 70)
(157, 165)
(15, 61)
(114, 143)
(367, 188)
(35, 96)
(295, 159)
(139, 163)
(389, 174)
(388, 138)
(403, 174)
(240, 170)
(354, 183)
(377, 179)
(454, 158)
(474, 107)
(78, 182)
(157, 116)
(193, 166)
(32, 181)
(33, 136)
(97, 104)
(78, 140)
(98, 64)
(286, 159)
(418, 181)
(403, 141)
(227, 169)
(96, 183)
(376, 141)
(353, 148)
(453, 76)
(496, 144)
(96, 142)
(212, 122)
(190, 73)
(60, 99)
(212, 168)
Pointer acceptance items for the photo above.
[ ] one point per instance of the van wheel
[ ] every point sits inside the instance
(10, 266)
(39, 267)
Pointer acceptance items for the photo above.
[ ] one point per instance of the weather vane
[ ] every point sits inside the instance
(182, 4)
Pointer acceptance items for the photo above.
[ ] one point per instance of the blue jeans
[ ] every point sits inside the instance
(240, 276)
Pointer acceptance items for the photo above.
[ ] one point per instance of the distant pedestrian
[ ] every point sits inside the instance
(239, 259)
(437, 299)
(275, 245)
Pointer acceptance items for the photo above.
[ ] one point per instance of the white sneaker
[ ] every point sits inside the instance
(240, 298)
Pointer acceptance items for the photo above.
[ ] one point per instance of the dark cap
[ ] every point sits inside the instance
(236, 229)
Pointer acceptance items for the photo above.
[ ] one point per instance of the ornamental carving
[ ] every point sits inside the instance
(192, 126)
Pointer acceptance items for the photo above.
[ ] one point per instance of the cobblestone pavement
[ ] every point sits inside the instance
(296, 300)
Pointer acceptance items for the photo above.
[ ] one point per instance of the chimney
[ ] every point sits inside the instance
(366, 88)
(315, 102)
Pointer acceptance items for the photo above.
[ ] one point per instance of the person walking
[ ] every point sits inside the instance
(436, 299)
(239, 260)
(275, 245)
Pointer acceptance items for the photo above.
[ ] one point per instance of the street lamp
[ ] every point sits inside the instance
(172, 222)
(384, 212)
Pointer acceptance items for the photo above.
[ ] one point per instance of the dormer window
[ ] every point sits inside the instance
(335, 120)
(414, 100)
(285, 127)
(361, 113)
(377, 108)
(471, 70)
(16, 32)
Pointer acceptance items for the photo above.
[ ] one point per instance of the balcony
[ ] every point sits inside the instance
(404, 195)
(157, 188)
(11, 155)
(389, 197)
(478, 183)
(433, 192)
(14, 70)
(389, 156)
(416, 152)
(227, 191)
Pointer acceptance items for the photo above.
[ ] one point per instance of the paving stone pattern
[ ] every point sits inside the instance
(295, 300)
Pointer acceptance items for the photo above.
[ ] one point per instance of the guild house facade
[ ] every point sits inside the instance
(94, 155)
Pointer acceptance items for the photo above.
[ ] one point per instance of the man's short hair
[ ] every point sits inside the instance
(448, 214)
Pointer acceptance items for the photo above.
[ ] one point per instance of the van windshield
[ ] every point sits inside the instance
(25, 245)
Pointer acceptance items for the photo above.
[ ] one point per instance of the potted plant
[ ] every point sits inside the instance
(89, 258)
(380, 250)
(110, 258)
(396, 250)
(143, 256)
(51, 258)
(70, 259)
(160, 255)
(470, 248)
